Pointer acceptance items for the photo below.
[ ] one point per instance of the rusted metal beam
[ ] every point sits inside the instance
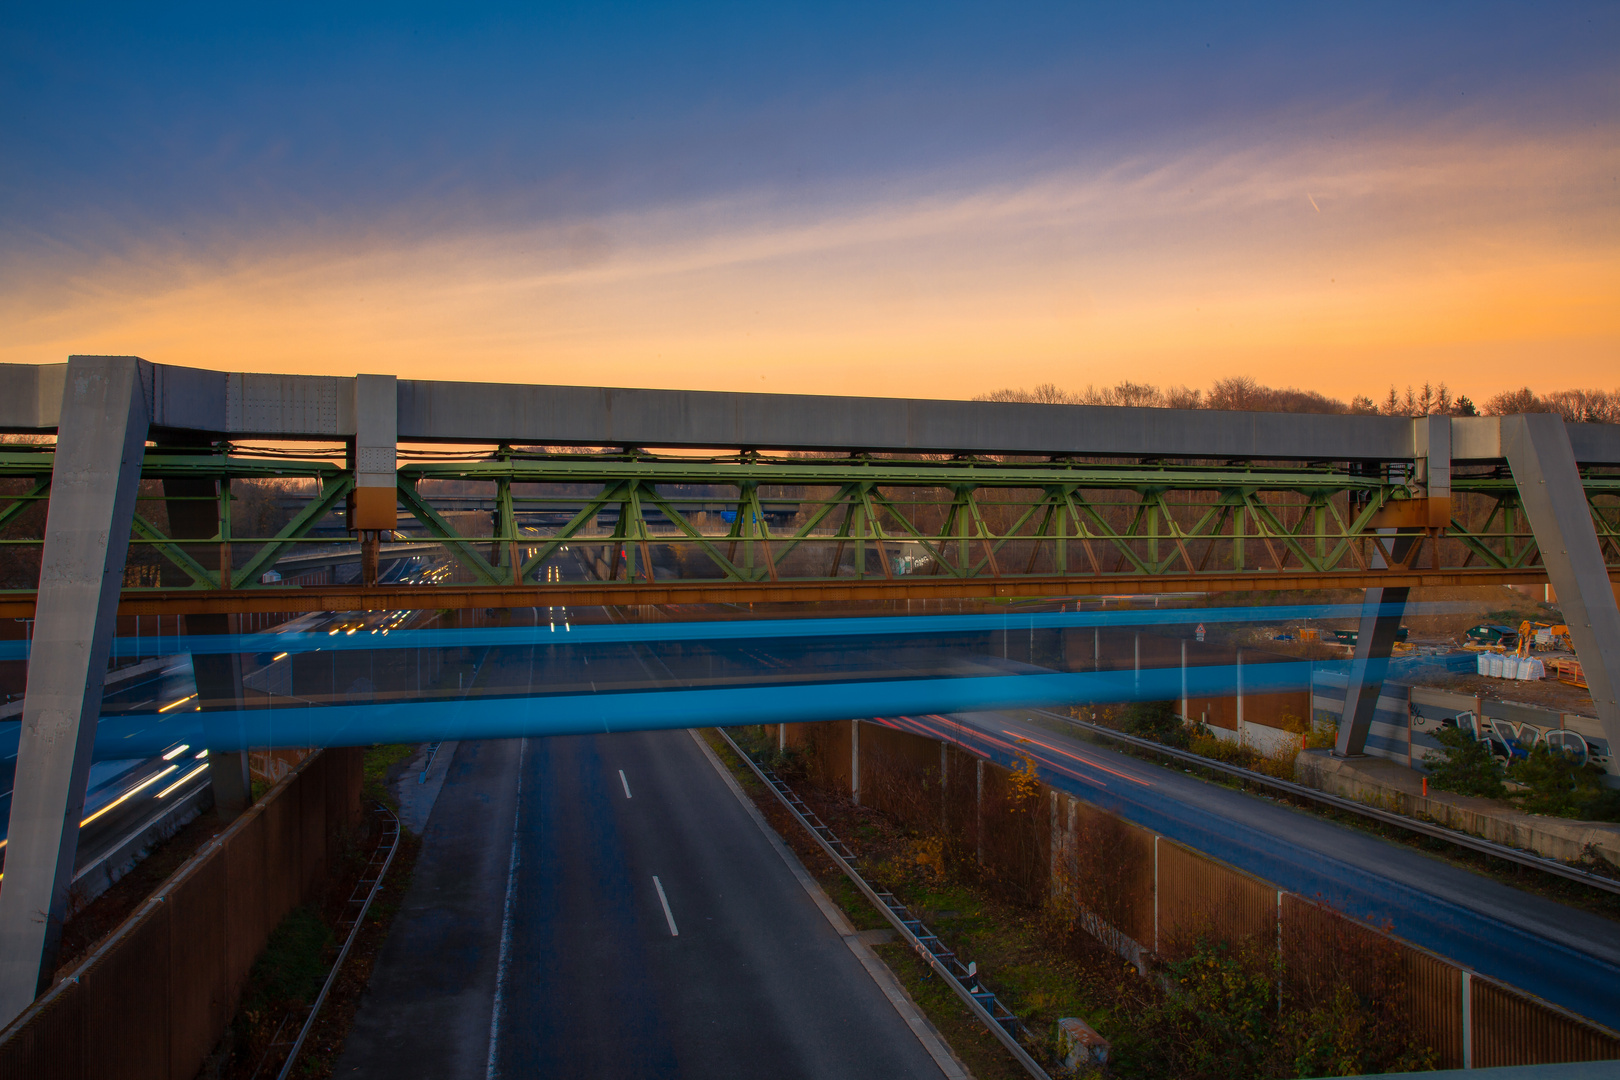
(907, 587)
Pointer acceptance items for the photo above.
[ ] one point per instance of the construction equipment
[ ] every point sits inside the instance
(1492, 636)
(1543, 637)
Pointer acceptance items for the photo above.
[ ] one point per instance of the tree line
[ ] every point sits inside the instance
(1245, 394)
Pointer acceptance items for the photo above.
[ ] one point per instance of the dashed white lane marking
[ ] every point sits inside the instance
(662, 899)
(625, 782)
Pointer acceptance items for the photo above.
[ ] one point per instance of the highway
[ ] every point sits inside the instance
(153, 701)
(123, 795)
(623, 915)
(1563, 954)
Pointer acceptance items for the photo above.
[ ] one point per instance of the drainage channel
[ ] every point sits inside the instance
(962, 978)
(365, 891)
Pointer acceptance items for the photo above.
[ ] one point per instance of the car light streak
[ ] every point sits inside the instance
(198, 771)
(1081, 758)
(278, 656)
(176, 752)
(202, 754)
(143, 785)
(177, 704)
(929, 732)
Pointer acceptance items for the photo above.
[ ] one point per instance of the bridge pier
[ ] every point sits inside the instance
(198, 510)
(100, 446)
(1538, 450)
(1383, 608)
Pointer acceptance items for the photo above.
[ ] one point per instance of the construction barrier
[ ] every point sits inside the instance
(155, 997)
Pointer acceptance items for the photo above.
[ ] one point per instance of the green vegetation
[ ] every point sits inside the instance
(1551, 782)
(1557, 785)
(1236, 1010)
(1208, 1008)
(379, 760)
(293, 964)
(1466, 766)
(1155, 720)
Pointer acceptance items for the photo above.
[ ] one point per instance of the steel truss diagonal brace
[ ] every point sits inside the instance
(1538, 451)
(96, 476)
(459, 548)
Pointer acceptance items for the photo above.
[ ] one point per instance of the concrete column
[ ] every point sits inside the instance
(1538, 451)
(194, 515)
(100, 445)
(1381, 613)
(376, 495)
(1382, 609)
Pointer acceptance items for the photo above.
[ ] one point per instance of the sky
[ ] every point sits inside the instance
(929, 200)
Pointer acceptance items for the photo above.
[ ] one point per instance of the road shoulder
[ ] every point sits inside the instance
(949, 1064)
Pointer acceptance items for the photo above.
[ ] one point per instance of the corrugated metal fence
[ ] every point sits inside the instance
(155, 997)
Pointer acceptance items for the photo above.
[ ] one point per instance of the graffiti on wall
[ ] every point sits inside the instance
(1510, 740)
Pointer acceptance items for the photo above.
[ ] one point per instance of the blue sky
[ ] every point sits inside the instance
(161, 168)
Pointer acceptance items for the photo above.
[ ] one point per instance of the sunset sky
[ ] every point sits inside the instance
(929, 200)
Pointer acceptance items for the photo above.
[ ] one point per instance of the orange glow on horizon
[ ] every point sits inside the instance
(1342, 269)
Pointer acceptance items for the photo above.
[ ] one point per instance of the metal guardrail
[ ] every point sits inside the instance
(365, 891)
(1000, 1020)
(1338, 802)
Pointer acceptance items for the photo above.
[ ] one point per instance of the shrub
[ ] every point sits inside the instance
(1322, 736)
(1155, 720)
(1465, 765)
(1560, 786)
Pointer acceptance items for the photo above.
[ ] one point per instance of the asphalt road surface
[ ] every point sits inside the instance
(640, 925)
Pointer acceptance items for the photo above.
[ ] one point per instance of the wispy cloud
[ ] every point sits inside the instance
(1345, 263)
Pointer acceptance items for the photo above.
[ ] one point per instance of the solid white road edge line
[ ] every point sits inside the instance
(886, 981)
(504, 960)
(625, 782)
(662, 899)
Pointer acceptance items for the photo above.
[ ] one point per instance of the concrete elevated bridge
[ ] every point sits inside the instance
(151, 475)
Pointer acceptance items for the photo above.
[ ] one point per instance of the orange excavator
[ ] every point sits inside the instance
(1543, 637)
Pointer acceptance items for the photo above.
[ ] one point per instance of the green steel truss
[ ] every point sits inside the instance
(632, 517)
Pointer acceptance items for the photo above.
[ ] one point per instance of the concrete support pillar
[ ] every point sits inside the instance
(1381, 614)
(194, 510)
(1538, 451)
(376, 495)
(100, 444)
(1383, 609)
